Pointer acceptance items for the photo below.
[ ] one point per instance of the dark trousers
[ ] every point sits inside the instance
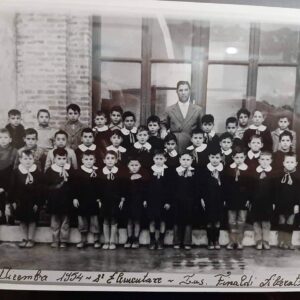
(182, 234)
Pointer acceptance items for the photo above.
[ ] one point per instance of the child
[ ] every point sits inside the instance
(262, 199)
(226, 148)
(259, 129)
(15, 128)
(253, 154)
(31, 139)
(237, 197)
(129, 130)
(153, 124)
(25, 195)
(87, 198)
(171, 154)
(60, 142)
(287, 203)
(283, 125)
(116, 118)
(111, 199)
(59, 198)
(116, 139)
(8, 156)
(207, 124)
(243, 116)
(136, 186)
(212, 187)
(158, 201)
(45, 132)
(198, 149)
(73, 126)
(231, 128)
(183, 189)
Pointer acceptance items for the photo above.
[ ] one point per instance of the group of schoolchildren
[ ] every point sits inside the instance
(116, 168)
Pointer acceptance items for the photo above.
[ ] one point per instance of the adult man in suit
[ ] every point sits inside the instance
(183, 117)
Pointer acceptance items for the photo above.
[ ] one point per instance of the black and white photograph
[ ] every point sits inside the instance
(149, 145)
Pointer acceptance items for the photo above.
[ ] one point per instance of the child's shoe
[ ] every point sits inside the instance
(210, 246)
(160, 245)
(281, 245)
(217, 246)
(97, 245)
(30, 244)
(266, 245)
(176, 246)
(63, 245)
(80, 245)
(54, 245)
(187, 247)
(112, 246)
(105, 246)
(259, 245)
(128, 243)
(152, 245)
(22, 244)
(230, 246)
(239, 246)
(135, 244)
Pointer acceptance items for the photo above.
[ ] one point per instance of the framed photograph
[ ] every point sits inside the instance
(149, 146)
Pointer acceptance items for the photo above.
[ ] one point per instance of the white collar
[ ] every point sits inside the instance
(242, 167)
(259, 128)
(106, 171)
(173, 153)
(227, 152)
(187, 103)
(211, 168)
(56, 168)
(137, 145)
(88, 170)
(24, 171)
(181, 169)
(84, 148)
(212, 133)
(113, 148)
(100, 129)
(252, 155)
(126, 131)
(259, 169)
(159, 169)
(198, 149)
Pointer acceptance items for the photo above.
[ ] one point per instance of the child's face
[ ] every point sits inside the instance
(43, 119)
(207, 127)
(226, 144)
(290, 163)
(30, 140)
(255, 145)
(159, 160)
(185, 160)
(265, 161)
(116, 140)
(142, 137)
(14, 120)
(197, 139)
(129, 122)
(60, 160)
(100, 120)
(283, 123)
(243, 120)
(73, 115)
(115, 117)
(134, 166)
(215, 159)
(27, 161)
(60, 141)
(258, 118)
(5, 139)
(170, 145)
(88, 161)
(285, 143)
(87, 138)
(110, 160)
(239, 158)
(153, 127)
(231, 128)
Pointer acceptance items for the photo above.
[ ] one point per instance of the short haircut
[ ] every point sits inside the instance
(27, 152)
(231, 120)
(43, 111)
(243, 111)
(258, 110)
(60, 152)
(100, 113)
(87, 130)
(170, 137)
(214, 149)
(87, 153)
(159, 152)
(117, 108)
(225, 135)
(5, 131)
(285, 133)
(111, 153)
(14, 112)
(29, 131)
(153, 119)
(142, 128)
(238, 149)
(265, 153)
(127, 114)
(206, 119)
(133, 158)
(197, 131)
(291, 154)
(116, 132)
(60, 132)
(186, 153)
(255, 136)
(182, 82)
(74, 107)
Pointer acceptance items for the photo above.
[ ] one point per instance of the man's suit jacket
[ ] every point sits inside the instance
(182, 127)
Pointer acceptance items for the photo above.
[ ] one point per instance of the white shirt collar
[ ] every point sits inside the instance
(106, 171)
(126, 131)
(252, 155)
(181, 169)
(198, 149)
(173, 153)
(57, 169)
(84, 148)
(211, 168)
(159, 169)
(212, 133)
(24, 171)
(137, 145)
(259, 169)
(100, 129)
(113, 148)
(88, 170)
(242, 167)
(259, 128)
(227, 152)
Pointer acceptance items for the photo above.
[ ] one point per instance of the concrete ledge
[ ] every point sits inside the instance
(44, 235)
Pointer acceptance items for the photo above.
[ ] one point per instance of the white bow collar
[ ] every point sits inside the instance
(242, 167)
(100, 129)
(212, 133)
(252, 155)
(138, 145)
(113, 148)
(173, 153)
(58, 169)
(84, 148)
(197, 149)
(88, 170)
(259, 169)
(24, 171)
(126, 131)
(157, 169)
(259, 128)
(211, 168)
(113, 170)
(181, 169)
(227, 152)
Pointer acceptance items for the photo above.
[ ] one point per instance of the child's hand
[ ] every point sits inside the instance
(35, 208)
(167, 206)
(135, 176)
(99, 203)
(296, 209)
(1, 190)
(14, 205)
(145, 204)
(203, 204)
(248, 204)
(273, 206)
(7, 211)
(76, 203)
(121, 204)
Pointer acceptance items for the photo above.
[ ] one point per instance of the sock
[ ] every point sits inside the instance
(162, 237)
